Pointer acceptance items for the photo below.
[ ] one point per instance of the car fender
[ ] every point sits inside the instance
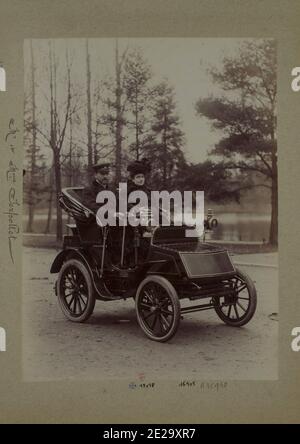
(102, 292)
(70, 252)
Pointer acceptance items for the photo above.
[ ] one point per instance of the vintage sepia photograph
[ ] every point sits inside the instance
(110, 119)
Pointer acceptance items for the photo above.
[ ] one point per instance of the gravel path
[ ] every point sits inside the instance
(111, 344)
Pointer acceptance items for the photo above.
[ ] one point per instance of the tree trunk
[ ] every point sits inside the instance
(29, 228)
(165, 148)
(33, 149)
(273, 236)
(89, 109)
(53, 139)
(49, 217)
(71, 154)
(137, 144)
(57, 170)
(118, 118)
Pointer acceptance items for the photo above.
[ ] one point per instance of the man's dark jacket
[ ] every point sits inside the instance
(90, 194)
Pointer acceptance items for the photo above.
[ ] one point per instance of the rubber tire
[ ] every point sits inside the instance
(253, 302)
(175, 301)
(91, 294)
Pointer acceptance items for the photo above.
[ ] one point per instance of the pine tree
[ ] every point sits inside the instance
(165, 144)
(248, 117)
(137, 74)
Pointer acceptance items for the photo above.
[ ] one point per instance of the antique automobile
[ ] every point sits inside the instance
(158, 267)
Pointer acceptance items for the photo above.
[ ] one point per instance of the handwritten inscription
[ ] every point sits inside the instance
(213, 386)
(209, 386)
(185, 384)
(11, 178)
(144, 385)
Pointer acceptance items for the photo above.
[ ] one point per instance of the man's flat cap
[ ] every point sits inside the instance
(100, 166)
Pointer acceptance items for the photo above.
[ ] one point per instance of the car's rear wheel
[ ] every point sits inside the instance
(238, 308)
(75, 291)
(157, 308)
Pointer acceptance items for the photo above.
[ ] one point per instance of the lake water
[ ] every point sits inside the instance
(242, 227)
(246, 227)
(231, 226)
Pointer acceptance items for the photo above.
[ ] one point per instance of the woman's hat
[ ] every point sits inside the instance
(139, 167)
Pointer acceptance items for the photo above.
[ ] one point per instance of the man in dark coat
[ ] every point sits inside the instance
(100, 183)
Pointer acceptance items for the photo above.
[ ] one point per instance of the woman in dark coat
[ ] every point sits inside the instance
(137, 176)
(138, 171)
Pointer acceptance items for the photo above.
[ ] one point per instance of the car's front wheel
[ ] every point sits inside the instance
(157, 308)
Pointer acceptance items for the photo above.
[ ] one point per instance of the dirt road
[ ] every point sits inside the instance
(111, 344)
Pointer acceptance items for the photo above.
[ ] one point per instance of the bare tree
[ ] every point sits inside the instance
(115, 104)
(33, 146)
(60, 115)
(33, 185)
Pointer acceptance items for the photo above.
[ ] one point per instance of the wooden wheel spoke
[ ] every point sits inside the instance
(74, 305)
(80, 281)
(165, 322)
(236, 312)
(149, 314)
(79, 308)
(165, 302)
(240, 305)
(82, 294)
(241, 288)
(149, 296)
(70, 279)
(71, 301)
(229, 311)
(83, 301)
(166, 312)
(154, 321)
(74, 275)
(79, 304)
(68, 283)
(160, 324)
(71, 274)
(147, 306)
